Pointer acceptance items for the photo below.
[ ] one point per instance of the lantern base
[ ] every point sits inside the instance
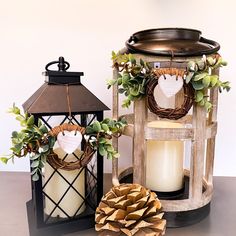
(56, 229)
(170, 195)
(179, 194)
(185, 218)
(180, 218)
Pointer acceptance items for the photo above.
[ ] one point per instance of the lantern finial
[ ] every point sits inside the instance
(62, 64)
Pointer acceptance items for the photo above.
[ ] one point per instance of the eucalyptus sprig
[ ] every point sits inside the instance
(32, 140)
(99, 135)
(132, 77)
(201, 75)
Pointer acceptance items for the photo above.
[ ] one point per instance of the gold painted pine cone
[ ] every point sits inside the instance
(130, 209)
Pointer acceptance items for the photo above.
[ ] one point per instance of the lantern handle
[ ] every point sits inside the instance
(62, 64)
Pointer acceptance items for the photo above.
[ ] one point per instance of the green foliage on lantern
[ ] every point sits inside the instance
(34, 141)
(201, 75)
(133, 77)
(100, 134)
(31, 139)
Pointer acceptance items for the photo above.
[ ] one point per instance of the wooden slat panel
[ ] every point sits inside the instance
(211, 142)
(153, 117)
(125, 172)
(129, 118)
(177, 205)
(188, 204)
(115, 115)
(197, 156)
(168, 133)
(211, 130)
(171, 133)
(139, 142)
(129, 130)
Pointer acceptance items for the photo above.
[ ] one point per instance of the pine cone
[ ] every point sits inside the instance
(130, 209)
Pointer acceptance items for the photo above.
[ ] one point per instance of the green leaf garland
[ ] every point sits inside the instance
(200, 74)
(99, 135)
(33, 140)
(133, 77)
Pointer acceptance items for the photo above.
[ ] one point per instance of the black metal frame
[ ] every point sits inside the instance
(38, 225)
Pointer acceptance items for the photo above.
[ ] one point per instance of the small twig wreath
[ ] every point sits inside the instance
(169, 113)
(58, 163)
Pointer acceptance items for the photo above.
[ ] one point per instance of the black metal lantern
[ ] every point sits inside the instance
(63, 99)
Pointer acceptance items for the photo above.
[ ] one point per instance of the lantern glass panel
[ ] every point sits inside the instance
(61, 187)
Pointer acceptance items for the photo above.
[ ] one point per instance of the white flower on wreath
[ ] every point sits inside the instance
(109, 132)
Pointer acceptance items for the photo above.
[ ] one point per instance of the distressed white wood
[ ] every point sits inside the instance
(171, 133)
(152, 117)
(188, 204)
(125, 172)
(115, 112)
(212, 118)
(198, 152)
(168, 133)
(139, 142)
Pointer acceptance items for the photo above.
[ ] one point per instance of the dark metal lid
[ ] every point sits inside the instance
(171, 42)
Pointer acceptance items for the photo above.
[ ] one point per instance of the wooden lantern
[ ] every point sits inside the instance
(199, 127)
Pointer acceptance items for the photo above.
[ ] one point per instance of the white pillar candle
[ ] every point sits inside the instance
(164, 164)
(57, 186)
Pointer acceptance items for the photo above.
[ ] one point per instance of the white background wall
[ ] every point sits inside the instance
(33, 33)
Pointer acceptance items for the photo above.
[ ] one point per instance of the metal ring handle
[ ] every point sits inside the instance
(62, 64)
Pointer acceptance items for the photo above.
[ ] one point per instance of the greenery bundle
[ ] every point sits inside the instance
(133, 77)
(201, 75)
(33, 140)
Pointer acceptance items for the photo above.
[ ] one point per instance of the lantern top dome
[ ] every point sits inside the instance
(62, 93)
(171, 42)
